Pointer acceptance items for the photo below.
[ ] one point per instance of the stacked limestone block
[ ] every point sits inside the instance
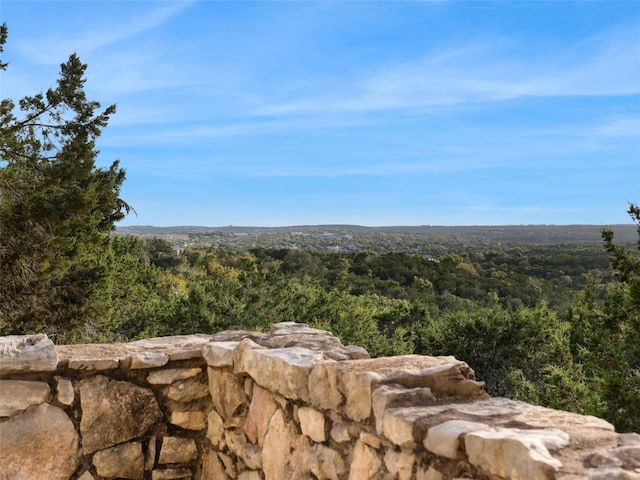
(89, 412)
(293, 403)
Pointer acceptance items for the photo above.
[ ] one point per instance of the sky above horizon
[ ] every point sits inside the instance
(275, 113)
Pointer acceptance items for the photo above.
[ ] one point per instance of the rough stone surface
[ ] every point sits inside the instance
(64, 391)
(365, 463)
(171, 375)
(114, 412)
(178, 347)
(213, 467)
(226, 390)
(444, 439)
(281, 370)
(187, 390)
(88, 364)
(399, 425)
(391, 396)
(516, 454)
(429, 473)
(340, 433)
(326, 463)
(400, 464)
(261, 410)
(193, 420)
(312, 424)
(277, 449)
(323, 388)
(41, 439)
(219, 354)
(121, 461)
(250, 475)
(27, 353)
(148, 360)
(291, 404)
(150, 457)
(173, 474)
(177, 450)
(18, 395)
(215, 428)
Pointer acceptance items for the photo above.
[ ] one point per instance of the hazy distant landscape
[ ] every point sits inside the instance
(425, 239)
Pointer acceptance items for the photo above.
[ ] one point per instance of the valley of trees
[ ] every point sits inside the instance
(556, 324)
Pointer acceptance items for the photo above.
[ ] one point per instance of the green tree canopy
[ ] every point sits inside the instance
(56, 206)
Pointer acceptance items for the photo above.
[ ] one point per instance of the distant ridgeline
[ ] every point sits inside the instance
(354, 238)
(291, 404)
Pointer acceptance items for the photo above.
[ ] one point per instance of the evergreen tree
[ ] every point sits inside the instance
(56, 207)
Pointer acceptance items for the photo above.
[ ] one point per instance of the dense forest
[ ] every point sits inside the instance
(556, 324)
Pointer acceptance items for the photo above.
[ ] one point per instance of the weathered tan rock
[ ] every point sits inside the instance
(174, 474)
(312, 424)
(27, 353)
(171, 375)
(516, 454)
(626, 456)
(114, 412)
(213, 468)
(64, 391)
(178, 347)
(603, 474)
(428, 473)
(444, 439)
(41, 439)
(540, 417)
(277, 449)
(400, 464)
(326, 463)
(323, 388)
(356, 380)
(86, 476)
(301, 458)
(340, 433)
(370, 439)
(18, 395)
(250, 475)
(365, 462)
(399, 425)
(357, 386)
(226, 390)
(193, 420)
(187, 390)
(249, 453)
(626, 439)
(215, 428)
(150, 457)
(219, 354)
(291, 334)
(281, 370)
(261, 411)
(177, 450)
(141, 360)
(391, 396)
(121, 461)
(229, 464)
(92, 364)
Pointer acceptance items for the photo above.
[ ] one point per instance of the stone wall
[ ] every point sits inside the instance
(290, 404)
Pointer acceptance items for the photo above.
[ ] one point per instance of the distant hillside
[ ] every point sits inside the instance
(350, 238)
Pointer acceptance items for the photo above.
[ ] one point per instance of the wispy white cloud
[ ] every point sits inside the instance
(605, 65)
(50, 48)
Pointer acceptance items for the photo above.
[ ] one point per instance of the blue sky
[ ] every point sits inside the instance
(371, 113)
